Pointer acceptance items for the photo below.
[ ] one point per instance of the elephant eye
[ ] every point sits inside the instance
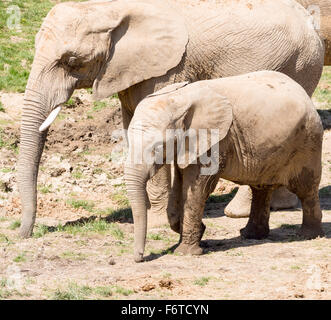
(72, 61)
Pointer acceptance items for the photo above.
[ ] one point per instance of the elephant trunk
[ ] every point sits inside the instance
(31, 146)
(136, 180)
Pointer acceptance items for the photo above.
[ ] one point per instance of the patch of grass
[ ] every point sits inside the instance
(70, 255)
(123, 291)
(96, 226)
(15, 224)
(45, 188)
(5, 239)
(202, 281)
(97, 171)
(20, 258)
(99, 105)
(103, 291)
(6, 170)
(323, 92)
(40, 230)
(295, 268)
(77, 174)
(120, 198)
(2, 108)
(76, 203)
(154, 236)
(17, 44)
(115, 231)
(73, 292)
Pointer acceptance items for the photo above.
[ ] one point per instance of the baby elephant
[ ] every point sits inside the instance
(259, 129)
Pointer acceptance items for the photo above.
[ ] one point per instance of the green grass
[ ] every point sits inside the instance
(76, 203)
(40, 230)
(17, 47)
(96, 226)
(77, 174)
(45, 188)
(323, 92)
(99, 105)
(202, 281)
(120, 198)
(72, 292)
(15, 224)
(154, 236)
(20, 258)
(2, 109)
(70, 255)
(75, 291)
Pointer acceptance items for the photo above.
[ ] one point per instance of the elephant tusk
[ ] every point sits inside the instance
(49, 120)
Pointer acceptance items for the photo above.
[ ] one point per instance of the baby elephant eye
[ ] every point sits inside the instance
(72, 61)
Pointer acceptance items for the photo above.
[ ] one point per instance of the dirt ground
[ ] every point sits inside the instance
(83, 242)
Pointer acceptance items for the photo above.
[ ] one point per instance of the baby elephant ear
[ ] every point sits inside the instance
(207, 122)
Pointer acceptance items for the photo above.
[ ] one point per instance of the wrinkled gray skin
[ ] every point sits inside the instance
(241, 107)
(137, 47)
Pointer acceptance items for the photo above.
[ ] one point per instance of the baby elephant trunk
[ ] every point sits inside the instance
(136, 180)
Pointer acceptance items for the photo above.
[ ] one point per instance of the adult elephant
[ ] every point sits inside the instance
(136, 47)
(239, 207)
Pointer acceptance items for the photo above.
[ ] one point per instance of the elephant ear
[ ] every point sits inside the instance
(206, 117)
(149, 41)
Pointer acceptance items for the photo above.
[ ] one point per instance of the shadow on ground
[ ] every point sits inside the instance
(325, 117)
(285, 233)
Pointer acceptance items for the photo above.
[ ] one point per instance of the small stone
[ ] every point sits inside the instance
(148, 287)
(57, 172)
(111, 261)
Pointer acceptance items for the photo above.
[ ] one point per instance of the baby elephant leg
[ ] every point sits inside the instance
(196, 189)
(258, 223)
(306, 185)
(175, 204)
(312, 216)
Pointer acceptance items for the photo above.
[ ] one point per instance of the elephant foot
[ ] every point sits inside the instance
(189, 249)
(26, 230)
(253, 231)
(283, 199)
(240, 205)
(308, 232)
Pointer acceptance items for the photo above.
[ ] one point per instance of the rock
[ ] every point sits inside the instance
(57, 172)
(148, 287)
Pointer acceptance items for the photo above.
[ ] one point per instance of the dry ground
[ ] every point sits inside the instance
(83, 241)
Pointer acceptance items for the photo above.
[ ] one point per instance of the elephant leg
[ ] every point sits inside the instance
(282, 198)
(175, 203)
(158, 189)
(312, 216)
(240, 205)
(307, 190)
(196, 189)
(258, 223)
